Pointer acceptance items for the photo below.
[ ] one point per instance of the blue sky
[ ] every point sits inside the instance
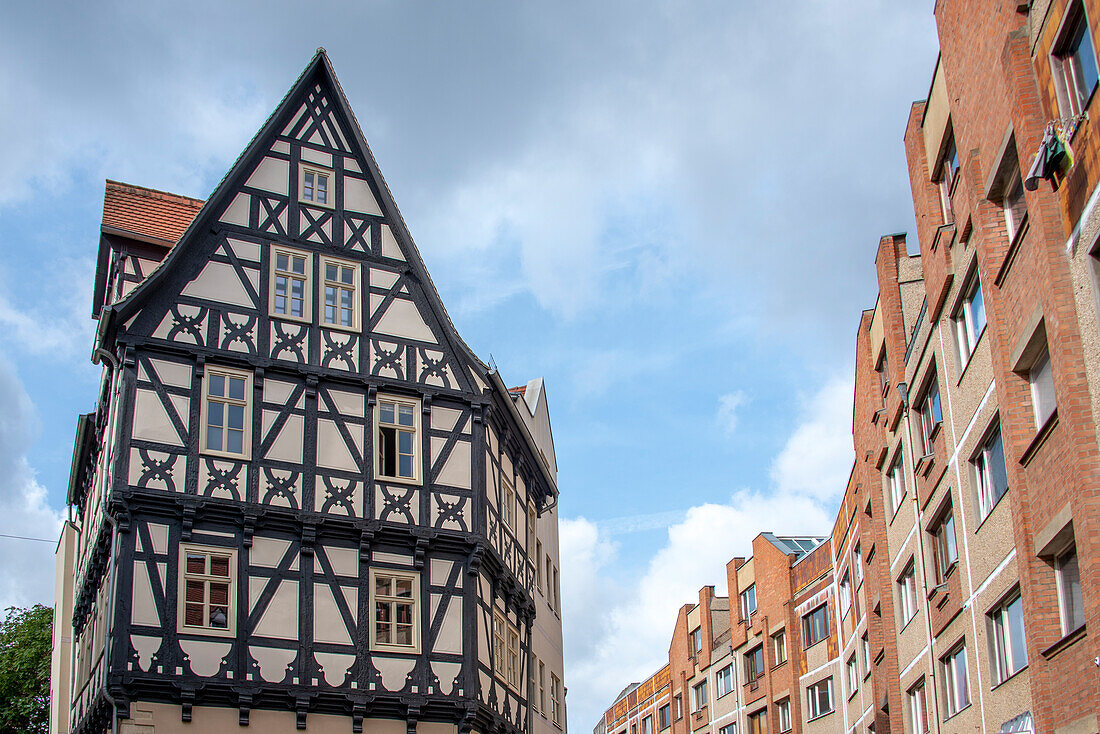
(669, 210)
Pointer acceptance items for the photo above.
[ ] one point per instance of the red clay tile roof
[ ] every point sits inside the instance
(148, 212)
(518, 390)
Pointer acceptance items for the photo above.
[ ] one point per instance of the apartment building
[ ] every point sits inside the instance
(302, 502)
(959, 583)
(641, 708)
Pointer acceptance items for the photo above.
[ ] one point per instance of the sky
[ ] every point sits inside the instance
(669, 210)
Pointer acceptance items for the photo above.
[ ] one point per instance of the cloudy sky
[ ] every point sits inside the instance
(668, 209)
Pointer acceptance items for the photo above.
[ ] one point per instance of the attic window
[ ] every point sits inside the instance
(315, 186)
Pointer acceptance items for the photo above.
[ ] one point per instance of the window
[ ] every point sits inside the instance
(865, 646)
(1008, 646)
(758, 722)
(1068, 574)
(779, 646)
(970, 320)
(555, 699)
(513, 656)
(315, 186)
(542, 688)
(783, 713)
(647, 725)
(679, 706)
(290, 284)
(857, 564)
(948, 174)
(918, 709)
(664, 717)
(699, 696)
(1014, 203)
(398, 448)
(883, 370)
(956, 686)
(395, 596)
(895, 479)
(990, 474)
(538, 566)
(507, 504)
(845, 595)
(531, 518)
(853, 675)
(1074, 62)
(945, 551)
(696, 640)
(748, 602)
(557, 593)
(931, 416)
(815, 625)
(549, 582)
(226, 413)
(907, 593)
(723, 681)
(754, 664)
(533, 683)
(730, 728)
(819, 698)
(1041, 379)
(341, 302)
(208, 590)
(500, 644)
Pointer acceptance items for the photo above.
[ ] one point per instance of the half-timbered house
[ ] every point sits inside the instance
(302, 502)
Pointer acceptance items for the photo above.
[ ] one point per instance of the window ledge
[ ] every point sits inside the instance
(1040, 438)
(1006, 680)
(964, 708)
(924, 464)
(1068, 641)
(821, 715)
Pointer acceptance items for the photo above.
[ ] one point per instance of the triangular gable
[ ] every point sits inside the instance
(312, 126)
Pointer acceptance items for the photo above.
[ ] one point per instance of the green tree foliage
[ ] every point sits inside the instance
(25, 670)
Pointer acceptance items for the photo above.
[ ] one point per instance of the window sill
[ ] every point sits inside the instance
(398, 480)
(982, 521)
(1067, 641)
(1041, 437)
(966, 361)
(225, 454)
(780, 664)
(341, 327)
(307, 320)
(924, 464)
(951, 716)
(1006, 680)
(821, 715)
(316, 205)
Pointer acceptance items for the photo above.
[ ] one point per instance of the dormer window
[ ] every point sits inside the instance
(315, 188)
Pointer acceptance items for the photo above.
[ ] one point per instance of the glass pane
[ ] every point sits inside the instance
(214, 438)
(382, 611)
(297, 307)
(234, 441)
(346, 298)
(236, 416)
(219, 594)
(236, 388)
(300, 265)
(214, 414)
(382, 586)
(406, 467)
(307, 188)
(195, 591)
(404, 587)
(405, 442)
(192, 615)
(330, 271)
(281, 261)
(1015, 616)
(280, 285)
(347, 275)
(404, 635)
(385, 412)
(280, 304)
(345, 317)
(219, 566)
(405, 415)
(196, 563)
(382, 633)
(217, 385)
(219, 617)
(297, 287)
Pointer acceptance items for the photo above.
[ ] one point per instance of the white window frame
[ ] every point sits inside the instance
(246, 403)
(542, 689)
(507, 504)
(970, 319)
(532, 519)
(956, 683)
(730, 728)
(845, 595)
(949, 167)
(895, 480)
(814, 693)
(1040, 377)
(1007, 655)
(340, 285)
(779, 646)
(909, 603)
(918, 706)
(317, 171)
(945, 548)
(748, 602)
(538, 565)
(555, 699)
(927, 408)
(1014, 203)
(699, 700)
(206, 578)
(695, 639)
(723, 681)
(865, 646)
(783, 714)
(306, 278)
(857, 564)
(1071, 613)
(513, 660)
(982, 464)
(415, 429)
(1072, 94)
(375, 599)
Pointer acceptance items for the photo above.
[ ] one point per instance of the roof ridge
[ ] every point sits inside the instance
(153, 193)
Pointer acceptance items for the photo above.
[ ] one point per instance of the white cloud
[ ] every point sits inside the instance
(618, 632)
(48, 315)
(26, 575)
(728, 405)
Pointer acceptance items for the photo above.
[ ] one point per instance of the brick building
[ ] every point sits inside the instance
(959, 584)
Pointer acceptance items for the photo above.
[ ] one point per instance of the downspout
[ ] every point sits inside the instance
(112, 416)
(904, 392)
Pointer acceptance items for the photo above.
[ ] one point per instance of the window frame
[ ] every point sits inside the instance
(555, 699)
(783, 714)
(895, 477)
(779, 645)
(375, 644)
(417, 428)
(948, 168)
(882, 369)
(865, 648)
(306, 278)
(542, 689)
(356, 293)
(983, 471)
(727, 674)
(852, 674)
(944, 543)
(748, 602)
(508, 504)
(1014, 202)
(208, 551)
(1040, 378)
(857, 564)
(664, 717)
(204, 413)
(930, 412)
(752, 658)
(967, 331)
(917, 700)
(955, 684)
(844, 594)
(699, 696)
(1073, 98)
(538, 565)
(1005, 659)
(318, 171)
(1067, 624)
(808, 625)
(813, 702)
(758, 721)
(909, 603)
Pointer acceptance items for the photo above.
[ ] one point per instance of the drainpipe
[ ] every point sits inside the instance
(903, 390)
